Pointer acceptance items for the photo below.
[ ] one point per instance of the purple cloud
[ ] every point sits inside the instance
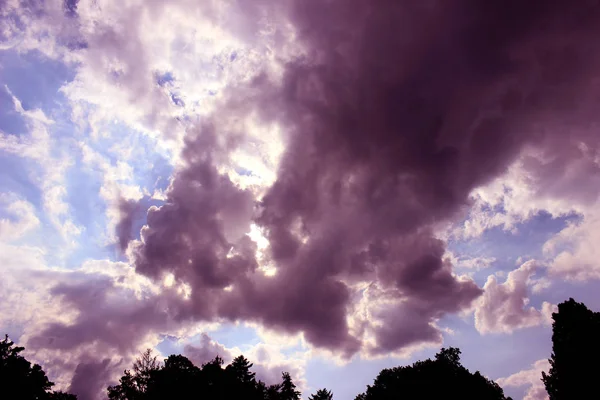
(124, 229)
(392, 116)
(91, 378)
(392, 113)
(503, 306)
(206, 351)
(268, 362)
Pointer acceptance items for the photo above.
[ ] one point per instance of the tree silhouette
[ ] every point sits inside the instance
(442, 378)
(20, 380)
(180, 379)
(61, 396)
(243, 381)
(575, 353)
(322, 394)
(143, 368)
(240, 368)
(133, 386)
(288, 388)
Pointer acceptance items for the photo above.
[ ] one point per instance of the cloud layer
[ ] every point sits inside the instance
(382, 147)
(344, 136)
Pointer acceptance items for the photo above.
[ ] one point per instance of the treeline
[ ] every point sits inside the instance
(179, 378)
(574, 365)
(21, 380)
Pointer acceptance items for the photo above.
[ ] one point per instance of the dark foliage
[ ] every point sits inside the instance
(179, 378)
(322, 394)
(21, 380)
(442, 378)
(575, 351)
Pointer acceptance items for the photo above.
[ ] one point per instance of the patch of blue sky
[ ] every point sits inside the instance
(17, 176)
(346, 381)
(150, 171)
(170, 345)
(10, 121)
(164, 78)
(177, 100)
(36, 82)
(21, 177)
(498, 355)
(502, 350)
(240, 335)
(582, 291)
(89, 248)
(229, 335)
(507, 247)
(167, 80)
(88, 211)
(150, 163)
(34, 78)
(243, 171)
(82, 194)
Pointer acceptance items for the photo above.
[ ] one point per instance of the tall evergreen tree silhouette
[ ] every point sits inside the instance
(575, 353)
(322, 394)
(241, 380)
(288, 388)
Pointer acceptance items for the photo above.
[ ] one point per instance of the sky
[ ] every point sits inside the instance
(329, 187)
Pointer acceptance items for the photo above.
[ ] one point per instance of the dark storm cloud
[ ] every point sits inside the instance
(90, 379)
(124, 229)
(395, 113)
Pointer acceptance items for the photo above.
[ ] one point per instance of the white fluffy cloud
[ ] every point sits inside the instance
(20, 217)
(531, 377)
(268, 359)
(49, 168)
(562, 180)
(503, 306)
(69, 320)
(574, 250)
(550, 180)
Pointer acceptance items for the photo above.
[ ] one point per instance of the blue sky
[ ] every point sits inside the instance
(84, 128)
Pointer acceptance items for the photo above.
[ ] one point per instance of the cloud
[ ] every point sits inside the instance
(529, 188)
(90, 378)
(573, 250)
(530, 377)
(128, 210)
(49, 170)
(390, 120)
(270, 362)
(503, 306)
(35, 114)
(206, 351)
(381, 148)
(268, 359)
(467, 262)
(21, 217)
(85, 326)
